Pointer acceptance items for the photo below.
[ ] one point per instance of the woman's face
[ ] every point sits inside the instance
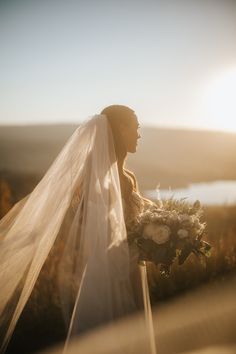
(130, 134)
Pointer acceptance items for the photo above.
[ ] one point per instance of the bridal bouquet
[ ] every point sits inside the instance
(170, 230)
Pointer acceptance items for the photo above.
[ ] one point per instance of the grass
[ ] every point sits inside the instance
(41, 322)
(221, 234)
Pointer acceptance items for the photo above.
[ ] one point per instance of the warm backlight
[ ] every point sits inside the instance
(220, 101)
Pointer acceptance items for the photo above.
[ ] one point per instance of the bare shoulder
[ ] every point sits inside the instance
(130, 173)
(147, 202)
(133, 177)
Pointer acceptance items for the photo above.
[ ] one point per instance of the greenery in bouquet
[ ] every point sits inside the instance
(168, 230)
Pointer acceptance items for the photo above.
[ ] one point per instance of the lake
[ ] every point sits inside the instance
(210, 193)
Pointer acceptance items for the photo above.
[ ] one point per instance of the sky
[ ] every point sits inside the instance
(173, 62)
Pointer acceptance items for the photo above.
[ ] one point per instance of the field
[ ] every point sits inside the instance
(41, 323)
(221, 231)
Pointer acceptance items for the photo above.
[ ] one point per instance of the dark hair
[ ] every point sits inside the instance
(117, 115)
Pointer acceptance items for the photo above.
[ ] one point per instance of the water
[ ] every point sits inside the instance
(211, 193)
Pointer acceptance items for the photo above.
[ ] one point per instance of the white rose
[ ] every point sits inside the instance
(158, 233)
(182, 233)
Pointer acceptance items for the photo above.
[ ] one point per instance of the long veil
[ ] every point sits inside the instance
(82, 186)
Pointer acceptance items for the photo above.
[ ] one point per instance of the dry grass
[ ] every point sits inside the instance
(221, 230)
(41, 322)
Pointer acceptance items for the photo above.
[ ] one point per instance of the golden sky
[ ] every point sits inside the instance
(173, 62)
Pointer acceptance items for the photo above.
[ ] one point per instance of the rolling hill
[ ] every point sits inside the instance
(168, 157)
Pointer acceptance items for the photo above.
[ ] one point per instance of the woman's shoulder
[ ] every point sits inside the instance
(147, 202)
(130, 173)
(133, 178)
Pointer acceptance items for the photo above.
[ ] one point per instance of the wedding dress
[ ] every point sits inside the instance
(81, 190)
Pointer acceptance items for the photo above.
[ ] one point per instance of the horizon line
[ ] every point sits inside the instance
(146, 125)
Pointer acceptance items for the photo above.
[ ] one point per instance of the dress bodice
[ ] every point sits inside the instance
(133, 205)
(133, 202)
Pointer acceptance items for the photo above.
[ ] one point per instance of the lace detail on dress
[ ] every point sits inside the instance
(133, 202)
(133, 206)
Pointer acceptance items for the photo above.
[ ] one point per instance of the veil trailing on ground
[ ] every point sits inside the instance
(82, 188)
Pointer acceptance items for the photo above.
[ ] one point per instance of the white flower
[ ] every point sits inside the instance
(182, 233)
(158, 233)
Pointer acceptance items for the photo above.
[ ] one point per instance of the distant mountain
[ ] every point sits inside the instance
(166, 157)
(178, 157)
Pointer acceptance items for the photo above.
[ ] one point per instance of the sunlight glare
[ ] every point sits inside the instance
(220, 101)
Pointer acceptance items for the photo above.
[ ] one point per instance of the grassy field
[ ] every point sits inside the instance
(221, 229)
(41, 322)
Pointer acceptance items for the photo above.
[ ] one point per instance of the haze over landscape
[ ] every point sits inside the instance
(169, 157)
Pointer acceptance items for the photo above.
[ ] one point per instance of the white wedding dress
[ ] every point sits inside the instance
(82, 190)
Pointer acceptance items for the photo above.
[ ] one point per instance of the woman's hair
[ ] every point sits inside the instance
(118, 115)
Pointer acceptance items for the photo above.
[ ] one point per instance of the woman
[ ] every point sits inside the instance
(85, 189)
(125, 125)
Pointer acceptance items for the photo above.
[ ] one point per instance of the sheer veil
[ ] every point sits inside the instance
(83, 186)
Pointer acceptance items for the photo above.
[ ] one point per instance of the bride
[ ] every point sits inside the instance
(80, 213)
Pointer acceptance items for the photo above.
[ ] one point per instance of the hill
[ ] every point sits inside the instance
(168, 157)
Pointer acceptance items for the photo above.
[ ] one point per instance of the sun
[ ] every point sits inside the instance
(220, 101)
